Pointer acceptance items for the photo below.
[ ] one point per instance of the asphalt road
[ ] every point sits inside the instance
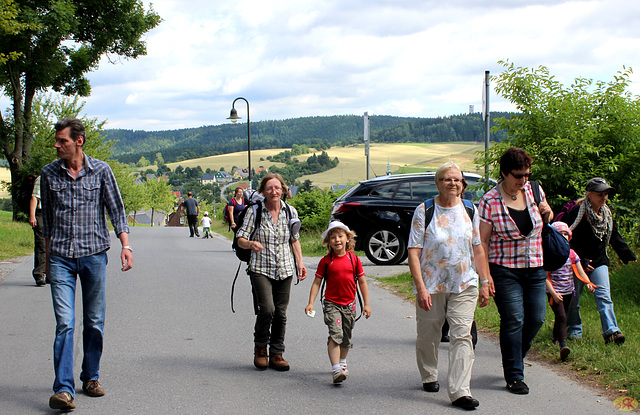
(173, 346)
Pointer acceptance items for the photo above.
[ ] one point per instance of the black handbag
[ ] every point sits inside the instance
(555, 247)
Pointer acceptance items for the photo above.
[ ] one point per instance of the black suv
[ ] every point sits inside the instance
(380, 211)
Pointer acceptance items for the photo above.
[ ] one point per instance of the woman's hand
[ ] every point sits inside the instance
(423, 298)
(557, 298)
(545, 210)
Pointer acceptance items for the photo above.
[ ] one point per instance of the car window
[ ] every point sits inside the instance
(404, 191)
(424, 190)
(385, 191)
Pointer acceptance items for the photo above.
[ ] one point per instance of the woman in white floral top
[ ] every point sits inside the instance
(450, 273)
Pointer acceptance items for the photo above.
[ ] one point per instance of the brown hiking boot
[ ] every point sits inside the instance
(260, 359)
(277, 362)
(93, 388)
(62, 400)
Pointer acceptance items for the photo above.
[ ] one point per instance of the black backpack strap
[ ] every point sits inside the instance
(355, 277)
(233, 286)
(535, 188)
(470, 209)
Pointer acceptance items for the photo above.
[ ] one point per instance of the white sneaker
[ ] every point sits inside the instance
(339, 376)
(344, 369)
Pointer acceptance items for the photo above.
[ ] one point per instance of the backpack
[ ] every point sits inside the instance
(225, 216)
(555, 248)
(428, 210)
(355, 277)
(565, 209)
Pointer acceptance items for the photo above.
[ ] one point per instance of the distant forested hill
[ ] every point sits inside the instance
(315, 132)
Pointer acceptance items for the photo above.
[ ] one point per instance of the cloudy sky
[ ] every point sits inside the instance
(294, 58)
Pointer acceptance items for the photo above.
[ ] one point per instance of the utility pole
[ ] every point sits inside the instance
(366, 139)
(487, 122)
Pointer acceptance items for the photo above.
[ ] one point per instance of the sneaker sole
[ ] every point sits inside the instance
(340, 378)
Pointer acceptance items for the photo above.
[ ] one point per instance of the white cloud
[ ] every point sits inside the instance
(292, 58)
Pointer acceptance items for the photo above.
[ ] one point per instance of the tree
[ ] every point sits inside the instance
(574, 133)
(159, 196)
(133, 195)
(143, 162)
(57, 43)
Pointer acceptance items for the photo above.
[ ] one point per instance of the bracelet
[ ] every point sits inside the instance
(127, 247)
(484, 282)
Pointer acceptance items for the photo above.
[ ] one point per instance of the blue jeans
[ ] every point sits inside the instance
(62, 274)
(521, 300)
(602, 297)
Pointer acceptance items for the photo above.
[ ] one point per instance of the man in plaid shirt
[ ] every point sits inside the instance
(76, 191)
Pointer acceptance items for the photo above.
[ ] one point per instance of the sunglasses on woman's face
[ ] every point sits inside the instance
(519, 176)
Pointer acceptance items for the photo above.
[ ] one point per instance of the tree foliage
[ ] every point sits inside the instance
(159, 196)
(573, 133)
(56, 43)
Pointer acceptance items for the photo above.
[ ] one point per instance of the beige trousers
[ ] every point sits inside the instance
(459, 310)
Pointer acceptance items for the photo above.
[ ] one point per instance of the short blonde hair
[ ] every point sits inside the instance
(450, 165)
(351, 239)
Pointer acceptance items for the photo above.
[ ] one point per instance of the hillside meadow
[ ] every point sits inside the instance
(410, 157)
(406, 157)
(5, 176)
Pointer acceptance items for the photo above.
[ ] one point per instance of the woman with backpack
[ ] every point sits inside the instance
(593, 230)
(511, 230)
(276, 256)
(235, 207)
(451, 275)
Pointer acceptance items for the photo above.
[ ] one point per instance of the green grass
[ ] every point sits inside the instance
(615, 369)
(16, 238)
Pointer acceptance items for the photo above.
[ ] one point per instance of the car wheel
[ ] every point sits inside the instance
(384, 247)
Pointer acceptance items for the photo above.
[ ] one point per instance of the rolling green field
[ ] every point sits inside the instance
(229, 160)
(409, 157)
(5, 176)
(406, 157)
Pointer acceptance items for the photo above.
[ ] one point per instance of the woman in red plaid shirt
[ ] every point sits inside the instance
(510, 228)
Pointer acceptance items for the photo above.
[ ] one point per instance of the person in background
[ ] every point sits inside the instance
(593, 230)
(193, 210)
(39, 248)
(561, 289)
(206, 225)
(76, 192)
(511, 231)
(450, 275)
(235, 206)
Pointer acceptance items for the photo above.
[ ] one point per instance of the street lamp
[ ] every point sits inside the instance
(234, 117)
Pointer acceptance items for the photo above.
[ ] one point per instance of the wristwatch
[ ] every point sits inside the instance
(127, 247)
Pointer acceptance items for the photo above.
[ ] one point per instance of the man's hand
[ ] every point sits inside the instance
(126, 256)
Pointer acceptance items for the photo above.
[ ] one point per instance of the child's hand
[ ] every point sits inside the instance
(366, 311)
(591, 288)
(308, 308)
(557, 298)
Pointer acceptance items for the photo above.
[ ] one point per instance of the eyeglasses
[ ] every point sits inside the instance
(520, 175)
(456, 181)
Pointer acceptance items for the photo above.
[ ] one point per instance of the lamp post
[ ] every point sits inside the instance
(234, 117)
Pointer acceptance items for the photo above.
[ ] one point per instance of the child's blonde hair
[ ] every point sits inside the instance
(351, 239)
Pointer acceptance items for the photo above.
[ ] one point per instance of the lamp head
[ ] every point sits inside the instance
(234, 116)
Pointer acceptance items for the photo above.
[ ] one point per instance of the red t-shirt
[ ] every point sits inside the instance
(340, 286)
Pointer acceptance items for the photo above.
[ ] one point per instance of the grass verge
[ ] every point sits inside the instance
(16, 238)
(611, 368)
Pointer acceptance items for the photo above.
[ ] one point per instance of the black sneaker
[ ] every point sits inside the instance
(518, 387)
(564, 353)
